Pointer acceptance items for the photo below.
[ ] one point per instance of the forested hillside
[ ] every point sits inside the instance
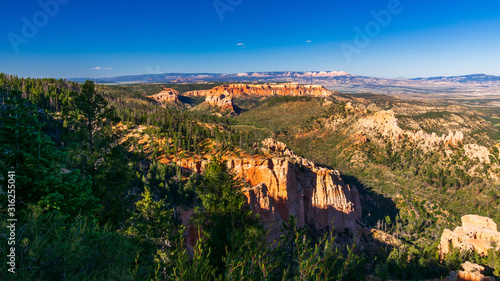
(413, 184)
(90, 208)
(96, 201)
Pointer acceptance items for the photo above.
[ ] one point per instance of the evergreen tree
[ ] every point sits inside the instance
(224, 213)
(41, 174)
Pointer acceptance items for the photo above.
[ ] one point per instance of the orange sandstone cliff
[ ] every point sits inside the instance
(282, 184)
(476, 234)
(223, 102)
(264, 90)
(166, 97)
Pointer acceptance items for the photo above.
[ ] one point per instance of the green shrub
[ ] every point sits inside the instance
(49, 248)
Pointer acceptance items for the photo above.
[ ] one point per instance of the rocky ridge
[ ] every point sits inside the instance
(166, 97)
(386, 123)
(225, 102)
(222, 102)
(264, 90)
(476, 234)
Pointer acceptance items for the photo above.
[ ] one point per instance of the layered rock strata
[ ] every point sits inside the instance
(264, 90)
(476, 234)
(222, 101)
(283, 184)
(386, 123)
(166, 97)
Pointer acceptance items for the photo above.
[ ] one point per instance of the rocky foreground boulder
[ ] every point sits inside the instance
(477, 233)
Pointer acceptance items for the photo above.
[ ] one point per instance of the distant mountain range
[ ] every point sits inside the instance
(297, 76)
(462, 79)
(430, 87)
(214, 77)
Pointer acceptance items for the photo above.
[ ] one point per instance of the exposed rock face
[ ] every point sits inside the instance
(281, 188)
(475, 221)
(166, 97)
(478, 151)
(476, 234)
(222, 101)
(260, 201)
(264, 90)
(472, 272)
(284, 184)
(387, 124)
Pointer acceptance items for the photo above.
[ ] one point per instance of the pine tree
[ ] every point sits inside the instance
(224, 213)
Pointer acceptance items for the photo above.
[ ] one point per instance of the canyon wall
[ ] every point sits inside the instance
(165, 97)
(222, 101)
(282, 184)
(264, 90)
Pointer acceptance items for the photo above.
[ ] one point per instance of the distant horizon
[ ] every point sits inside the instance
(392, 38)
(271, 71)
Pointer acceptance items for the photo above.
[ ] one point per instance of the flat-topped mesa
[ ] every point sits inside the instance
(283, 184)
(476, 234)
(166, 97)
(263, 90)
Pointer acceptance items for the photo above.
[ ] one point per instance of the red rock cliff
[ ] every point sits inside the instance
(165, 97)
(222, 101)
(284, 184)
(288, 89)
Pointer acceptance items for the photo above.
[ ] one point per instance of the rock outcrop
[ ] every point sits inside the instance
(282, 187)
(476, 234)
(221, 101)
(472, 272)
(283, 184)
(264, 90)
(386, 123)
(478, 151)
(166, 97)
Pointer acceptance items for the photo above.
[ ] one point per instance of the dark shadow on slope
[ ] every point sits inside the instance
(375, 206)
(193, 101)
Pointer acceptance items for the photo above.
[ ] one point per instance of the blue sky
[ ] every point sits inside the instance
(70, 38)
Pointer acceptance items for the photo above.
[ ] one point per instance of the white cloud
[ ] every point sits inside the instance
(101, 68)
(240, 44)
(308, 41)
